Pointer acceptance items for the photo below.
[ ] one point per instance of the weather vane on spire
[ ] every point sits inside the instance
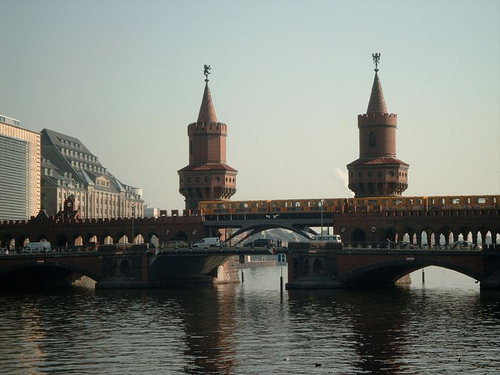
(376, 60)
(206, 71)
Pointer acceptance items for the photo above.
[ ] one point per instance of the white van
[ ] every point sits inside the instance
(317, 238)
(37, 247)
(209, 242)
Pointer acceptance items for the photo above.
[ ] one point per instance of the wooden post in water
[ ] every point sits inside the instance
(281, 281)
(423, 276)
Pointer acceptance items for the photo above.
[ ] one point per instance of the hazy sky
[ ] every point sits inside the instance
(288, 78)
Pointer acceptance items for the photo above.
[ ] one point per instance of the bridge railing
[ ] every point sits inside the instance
(407, 246)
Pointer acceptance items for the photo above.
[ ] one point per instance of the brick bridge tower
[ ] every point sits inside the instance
(207, 177)
(377, 172)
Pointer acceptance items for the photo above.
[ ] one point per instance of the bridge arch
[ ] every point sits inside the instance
(106, 239)
(76, 239)
(149, 237)
(259, 228)
(8, 241)
(386, 273)
(92, 238)
(33, 274)
(61, 241)
(122, 237)
(390, 234)
(181, 236)
(21, 241)
(125, 269)
(358, 236)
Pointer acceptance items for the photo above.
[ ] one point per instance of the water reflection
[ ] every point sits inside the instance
(206, 316)
(249, 329)
(369, 325)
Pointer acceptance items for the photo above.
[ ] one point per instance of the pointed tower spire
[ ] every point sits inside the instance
(377, 101)
(207, 110)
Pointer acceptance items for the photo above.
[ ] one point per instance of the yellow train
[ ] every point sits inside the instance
(338, 205)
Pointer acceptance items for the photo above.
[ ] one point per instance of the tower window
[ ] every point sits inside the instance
(372, 139)
(190, 147)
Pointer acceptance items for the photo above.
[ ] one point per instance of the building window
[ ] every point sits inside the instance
(372, 139)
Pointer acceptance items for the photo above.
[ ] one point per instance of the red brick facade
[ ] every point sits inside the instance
(377, 172)
(207, 177)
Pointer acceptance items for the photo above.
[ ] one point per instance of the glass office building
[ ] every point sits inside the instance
(20, 171)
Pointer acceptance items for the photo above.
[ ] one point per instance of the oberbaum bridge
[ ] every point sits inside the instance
(386, 235)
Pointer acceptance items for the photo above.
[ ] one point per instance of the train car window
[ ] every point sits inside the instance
(481, 200)
(372, 202)
(455, 200)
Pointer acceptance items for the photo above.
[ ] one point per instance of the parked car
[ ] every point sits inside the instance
(37, 247)
(210, 242)
(335, 238)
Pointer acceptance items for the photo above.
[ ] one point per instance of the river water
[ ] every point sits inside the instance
(445, 326)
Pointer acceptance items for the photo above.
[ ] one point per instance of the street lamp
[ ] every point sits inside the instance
(321, 233)
(133, 215)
